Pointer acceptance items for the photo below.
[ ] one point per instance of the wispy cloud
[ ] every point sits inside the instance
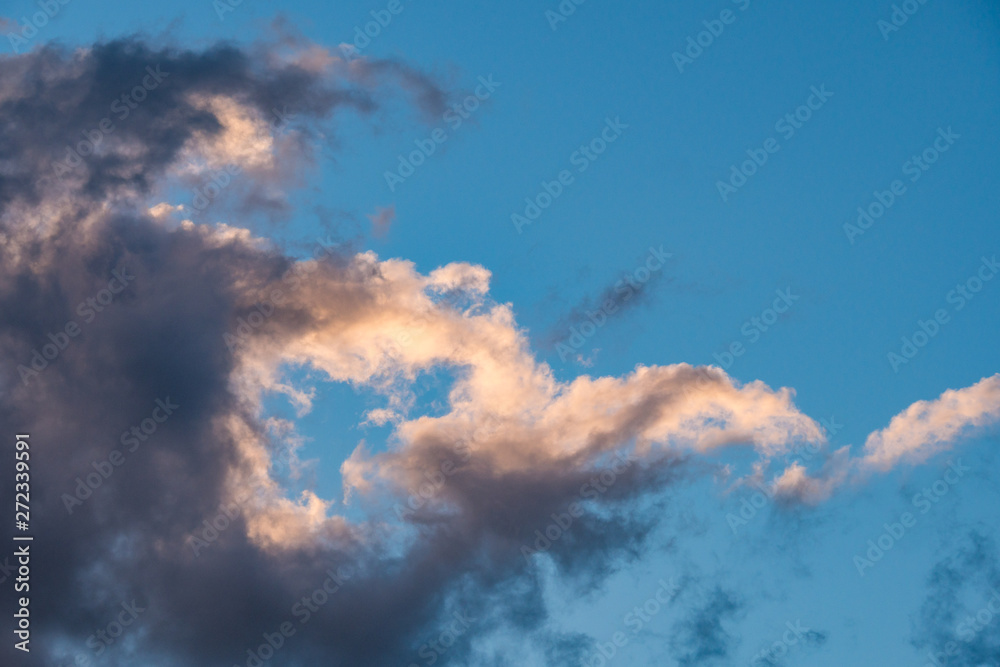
(382, 220)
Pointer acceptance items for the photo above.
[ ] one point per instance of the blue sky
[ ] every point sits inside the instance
(891, 96)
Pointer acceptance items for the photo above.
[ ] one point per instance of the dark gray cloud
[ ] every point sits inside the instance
(620, 297)
(162, 338)
(959, 622)
(704, 636)
(53, 104)
(576, 331)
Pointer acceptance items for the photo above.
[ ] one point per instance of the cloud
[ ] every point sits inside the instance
(959, 622)
(921, 431)
(138, 113)
(927, 428)
(164, 210)
(796, 483)
(382, 220)
(633, 288)
(702, 637)
(219, 320)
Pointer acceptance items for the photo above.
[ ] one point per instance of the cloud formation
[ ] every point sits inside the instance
(927, 428)
(702, 638)
(959, 621)
(216, 319)
(923, 430)
(382, 220)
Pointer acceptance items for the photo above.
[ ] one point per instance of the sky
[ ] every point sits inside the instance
(705, 291)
